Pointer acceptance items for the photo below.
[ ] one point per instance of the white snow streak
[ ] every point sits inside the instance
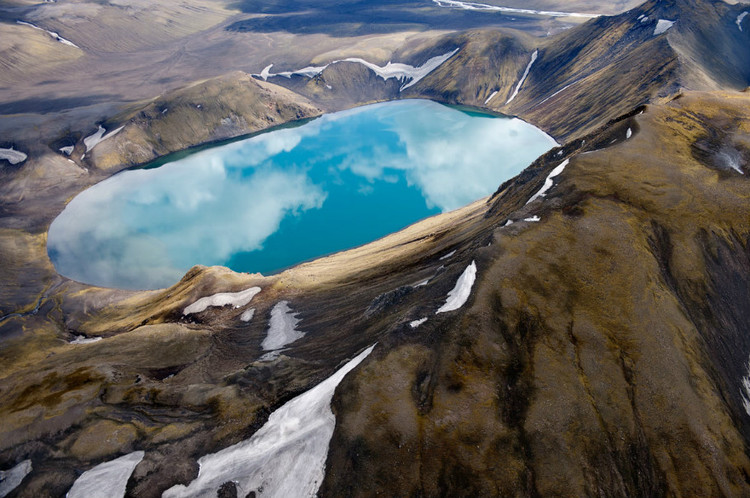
(628, 134)
(13, 156)
(82, 339)
(523, 78)
(282, 328)
(96, 138)
(54, 35)
(494, 8)
(286, 457)
(68, 150)
(458, 296)
(416, 323)
(106, 480)
(406, 73)
(422, 283)
(508, 223)
(266, 72)
(745, 391)
(533, 219)
(548, 181)
(309, 72)
(236, 299)
(490, 97)
(448, 255)
(662, 25)
(559, 91)
(11, 478)
(740, 18)
(248, 315)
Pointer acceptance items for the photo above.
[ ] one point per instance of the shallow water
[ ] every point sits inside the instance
(289, 195)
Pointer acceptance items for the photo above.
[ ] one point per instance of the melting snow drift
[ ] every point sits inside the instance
(54, 35)
(410, 75)
(416, 323)
(95, 139)
(236, 299)
(82, 339)
(248, 315)
(282, 329)
(13, 156)
(548, 181)
(458, 296)
(740, 18)
(662, 25)
(523, 78)
(494, 8)
(106, 480)
(11, 478)
(286, 457)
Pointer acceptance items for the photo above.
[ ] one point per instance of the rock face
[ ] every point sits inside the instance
(603, 346)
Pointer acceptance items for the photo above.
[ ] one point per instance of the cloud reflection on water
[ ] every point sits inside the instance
(145, 228)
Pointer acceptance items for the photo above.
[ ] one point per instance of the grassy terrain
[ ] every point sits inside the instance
(602, 349)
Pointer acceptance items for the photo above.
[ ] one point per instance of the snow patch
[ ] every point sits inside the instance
(266, 72)
(10, 479)
(410, 75)
(508, 223)
(458, 296)
(548, 181)
(54, 35)
(12, 156)
(67, 150)
(106, 480)
(82, 339)
(448, 255)
(286, 457)
(282, 329)
(236, 299)
(628, 134)
(745, 391)
(662, 25)
(490, 97)
(309, 71)
(456, 4)
(248, 315)
(740, 18)
(557, 92)
(416, 323)
(421, 284)
(523, 78)
(533, 219)
(98, 137)
(404, 72)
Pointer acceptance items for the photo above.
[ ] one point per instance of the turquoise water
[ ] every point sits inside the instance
(268, 202)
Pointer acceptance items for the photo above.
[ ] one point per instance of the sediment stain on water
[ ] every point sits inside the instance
(290, 195)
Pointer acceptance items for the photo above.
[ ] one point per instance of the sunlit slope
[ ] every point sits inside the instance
(605, 346)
